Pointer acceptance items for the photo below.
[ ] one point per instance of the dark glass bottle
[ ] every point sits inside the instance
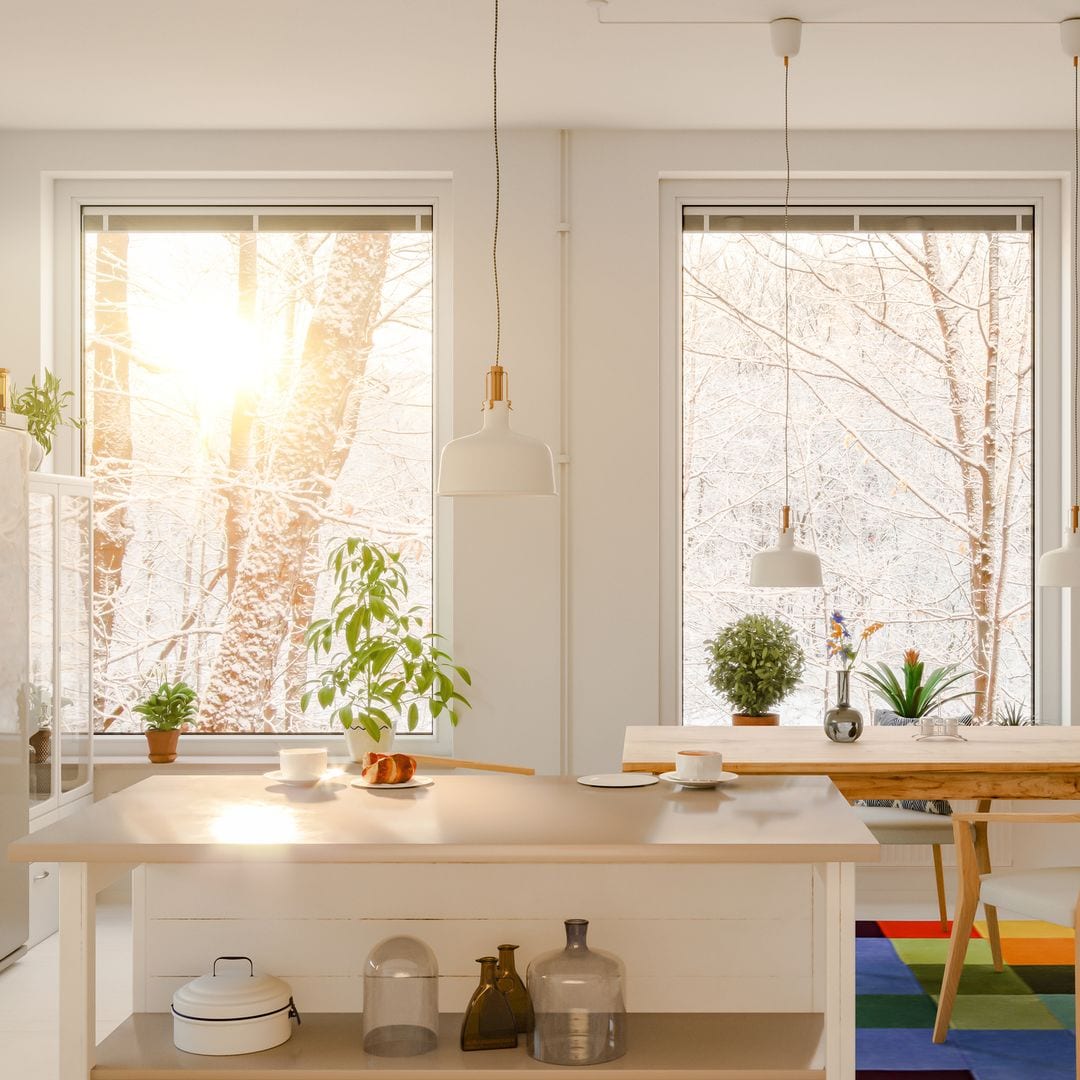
(489, 1020)
(513, 989)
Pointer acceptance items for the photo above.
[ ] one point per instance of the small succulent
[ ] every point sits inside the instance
(1013, 714)
(169, 707)
(914, 697)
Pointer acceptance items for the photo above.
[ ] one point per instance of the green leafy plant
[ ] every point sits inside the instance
(754, 663)
(913, 697)
(383, 665)
(1013, 714)
(43, 406)
(169, 707)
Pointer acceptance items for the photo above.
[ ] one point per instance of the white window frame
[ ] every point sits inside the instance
(1056, 622)
(64, 195)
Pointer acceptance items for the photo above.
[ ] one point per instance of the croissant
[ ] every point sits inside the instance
(388, 768)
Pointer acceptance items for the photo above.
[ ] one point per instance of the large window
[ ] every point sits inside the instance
(912, 443)
(258, 383)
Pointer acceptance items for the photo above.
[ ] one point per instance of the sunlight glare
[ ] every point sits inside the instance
(255, 825)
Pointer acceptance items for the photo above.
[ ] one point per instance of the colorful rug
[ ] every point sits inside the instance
(1016, 1024)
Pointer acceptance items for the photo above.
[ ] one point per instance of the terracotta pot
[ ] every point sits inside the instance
(162, 746)
(768, 720)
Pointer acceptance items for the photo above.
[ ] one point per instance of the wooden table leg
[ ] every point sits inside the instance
(78, 1011)
(982, 854)
(839, 971)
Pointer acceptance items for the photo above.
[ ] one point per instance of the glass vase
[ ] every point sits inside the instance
(577, 996)
(843, 723)
(513, 989)
(401, 999)
(489, 1020)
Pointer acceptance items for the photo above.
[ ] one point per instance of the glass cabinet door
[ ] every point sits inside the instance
(74, 588)
(41, 712)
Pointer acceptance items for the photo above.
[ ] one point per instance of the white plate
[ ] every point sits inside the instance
(618, 779)
(416, 781)
(723, 778)
(278, 777)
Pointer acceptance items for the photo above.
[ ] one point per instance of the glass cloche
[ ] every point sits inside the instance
(577, 997)
(401, 998)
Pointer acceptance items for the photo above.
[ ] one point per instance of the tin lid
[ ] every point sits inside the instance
(231, 992)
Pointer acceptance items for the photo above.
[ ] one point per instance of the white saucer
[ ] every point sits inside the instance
(278, 777)
(723, 778)
(416, 781)
(618, 779)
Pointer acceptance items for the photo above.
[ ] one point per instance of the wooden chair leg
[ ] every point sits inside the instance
(939, 878)
(982, 853)
(966, 904)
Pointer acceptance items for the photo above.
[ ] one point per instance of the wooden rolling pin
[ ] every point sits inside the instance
(459, 763)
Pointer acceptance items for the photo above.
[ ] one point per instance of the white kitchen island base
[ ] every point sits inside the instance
(720, 904)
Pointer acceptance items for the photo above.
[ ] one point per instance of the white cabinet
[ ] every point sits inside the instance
(60, 698)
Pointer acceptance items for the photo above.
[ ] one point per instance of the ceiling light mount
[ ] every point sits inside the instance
(1070, 37)
(786, 35)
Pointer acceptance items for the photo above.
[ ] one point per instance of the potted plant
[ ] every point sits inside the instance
(911, 696)
(43, 406)
(381, 666)
(166, 711)
(754, 664)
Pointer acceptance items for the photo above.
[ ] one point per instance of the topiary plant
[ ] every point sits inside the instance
(754, 664)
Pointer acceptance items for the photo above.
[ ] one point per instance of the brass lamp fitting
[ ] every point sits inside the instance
(496, 386)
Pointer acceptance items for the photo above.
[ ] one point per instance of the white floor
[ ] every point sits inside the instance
(28, 994)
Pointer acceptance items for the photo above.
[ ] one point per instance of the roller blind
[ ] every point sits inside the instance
(894, 219)
(257, 219)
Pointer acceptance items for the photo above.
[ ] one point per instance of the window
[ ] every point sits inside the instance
(912, 444)
(258, 383)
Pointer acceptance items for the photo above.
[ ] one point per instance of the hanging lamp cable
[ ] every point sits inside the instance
(1076, 294)
(787, 298)
(498, 178)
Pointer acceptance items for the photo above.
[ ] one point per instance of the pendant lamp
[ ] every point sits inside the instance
(496, 460)
(785, 565)
(1061, 567)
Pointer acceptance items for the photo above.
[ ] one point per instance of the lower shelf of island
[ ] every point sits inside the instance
(689, 1046)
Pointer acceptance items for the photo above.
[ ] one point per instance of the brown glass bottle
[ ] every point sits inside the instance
(513, 989)
(489, 1020)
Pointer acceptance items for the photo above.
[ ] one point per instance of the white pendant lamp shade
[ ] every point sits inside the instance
(496, 460)
(786, 566)
(1060, 568)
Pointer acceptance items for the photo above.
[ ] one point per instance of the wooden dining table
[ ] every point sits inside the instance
(886, 762)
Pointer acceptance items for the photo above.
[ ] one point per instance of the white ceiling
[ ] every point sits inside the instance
(564, 63)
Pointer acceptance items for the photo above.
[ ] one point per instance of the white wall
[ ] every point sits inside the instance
(507, 574)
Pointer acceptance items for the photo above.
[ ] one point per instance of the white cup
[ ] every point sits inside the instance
(699, 764)
(302, 762)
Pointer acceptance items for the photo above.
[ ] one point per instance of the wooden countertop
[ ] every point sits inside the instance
(807, 751)
(490, 819)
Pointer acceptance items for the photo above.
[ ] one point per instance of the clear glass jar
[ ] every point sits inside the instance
(401, 999)
(578, 1002)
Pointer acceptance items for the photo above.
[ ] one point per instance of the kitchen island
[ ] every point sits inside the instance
(732, 909)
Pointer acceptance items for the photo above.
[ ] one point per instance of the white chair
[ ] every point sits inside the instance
(893, 825)
(1051, 894)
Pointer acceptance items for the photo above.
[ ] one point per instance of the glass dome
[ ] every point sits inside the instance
(577, 997)
(401, 998)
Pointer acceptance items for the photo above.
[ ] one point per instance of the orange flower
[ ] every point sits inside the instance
(911, 657)
(871, 630)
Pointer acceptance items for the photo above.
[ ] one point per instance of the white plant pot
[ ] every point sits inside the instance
(359, 742)
(37, 455)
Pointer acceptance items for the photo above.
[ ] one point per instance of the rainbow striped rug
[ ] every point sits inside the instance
(1011, 1025)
